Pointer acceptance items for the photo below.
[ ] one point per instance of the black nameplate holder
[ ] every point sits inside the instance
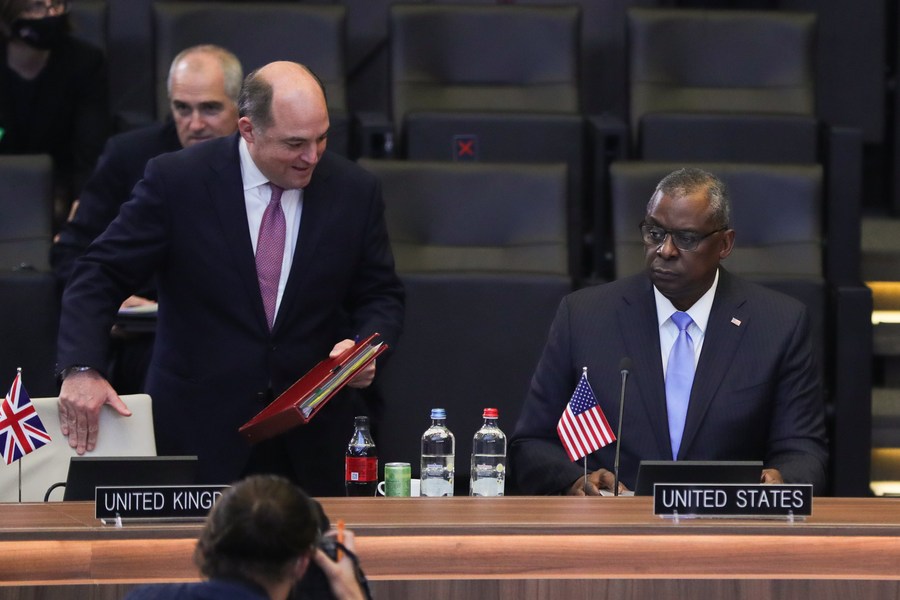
(732, 500)
(114, 504)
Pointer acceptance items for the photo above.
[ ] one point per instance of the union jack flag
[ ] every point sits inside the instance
(21, 430)
(583, 427)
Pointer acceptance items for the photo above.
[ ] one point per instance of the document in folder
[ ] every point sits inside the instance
(300, 402)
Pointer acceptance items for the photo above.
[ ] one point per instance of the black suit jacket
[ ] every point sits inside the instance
(756, 395)
(119, 168)
(215, 362)
(69, 116)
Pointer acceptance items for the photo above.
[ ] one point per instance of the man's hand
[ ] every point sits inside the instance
(81, 396)
(341, 574)
(600, 479)
(364, 377)
(132, 301)
(771, 476)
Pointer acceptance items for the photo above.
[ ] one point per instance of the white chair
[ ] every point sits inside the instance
(49, 464)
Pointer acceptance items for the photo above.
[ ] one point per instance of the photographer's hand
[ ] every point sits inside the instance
(341, 574)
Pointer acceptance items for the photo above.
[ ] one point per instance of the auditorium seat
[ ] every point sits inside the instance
(779, 213)
(484, 267)
(734, 86)
(26, 203)
(49, 464)
(491, 84)
(259, 33)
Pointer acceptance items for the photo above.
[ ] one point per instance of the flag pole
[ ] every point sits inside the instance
(584, 372)
(19, 375)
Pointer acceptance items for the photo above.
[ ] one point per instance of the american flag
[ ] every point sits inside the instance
(21, 430)
(583, 427)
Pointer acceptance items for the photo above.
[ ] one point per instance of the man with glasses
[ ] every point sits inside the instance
(722, 369)
(203, 87)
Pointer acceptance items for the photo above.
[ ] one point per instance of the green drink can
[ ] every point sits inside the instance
(396, 479)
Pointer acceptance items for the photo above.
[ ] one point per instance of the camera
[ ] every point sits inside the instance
(328, 545)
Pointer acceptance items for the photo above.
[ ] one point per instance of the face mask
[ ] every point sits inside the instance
(43, 33)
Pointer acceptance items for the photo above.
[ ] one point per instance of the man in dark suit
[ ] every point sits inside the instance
(227, 340)
(203, 87)
(756, 390)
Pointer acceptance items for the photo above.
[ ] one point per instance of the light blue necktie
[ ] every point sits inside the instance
(679, 379)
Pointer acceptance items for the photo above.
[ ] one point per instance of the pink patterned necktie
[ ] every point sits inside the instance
(270, 252)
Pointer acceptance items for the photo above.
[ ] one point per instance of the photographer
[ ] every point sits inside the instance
(257, 543)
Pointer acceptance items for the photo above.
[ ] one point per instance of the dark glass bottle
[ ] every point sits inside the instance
(361, 462)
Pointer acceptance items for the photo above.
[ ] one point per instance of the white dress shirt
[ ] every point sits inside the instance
(668, 330)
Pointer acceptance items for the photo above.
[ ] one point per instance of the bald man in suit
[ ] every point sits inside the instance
(224, 346)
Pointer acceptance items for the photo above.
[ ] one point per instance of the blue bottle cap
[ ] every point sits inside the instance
(438, 413)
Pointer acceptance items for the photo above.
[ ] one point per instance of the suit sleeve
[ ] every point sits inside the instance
(797, 441)
(376, 298)
(123, 257)
(537, 457)
(98, 205)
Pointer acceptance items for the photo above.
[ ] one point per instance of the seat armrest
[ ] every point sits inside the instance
(842, 157)
(849, 408)
(375, 135)
(609, 142)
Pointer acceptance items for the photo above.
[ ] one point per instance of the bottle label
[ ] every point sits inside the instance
(361, 468)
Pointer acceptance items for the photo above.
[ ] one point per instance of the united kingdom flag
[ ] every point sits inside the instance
(21, 430)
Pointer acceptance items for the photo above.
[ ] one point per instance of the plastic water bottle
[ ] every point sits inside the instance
(488, 458)
(438, 457)
(361, 461)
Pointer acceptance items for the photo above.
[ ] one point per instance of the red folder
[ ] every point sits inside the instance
(300, 402)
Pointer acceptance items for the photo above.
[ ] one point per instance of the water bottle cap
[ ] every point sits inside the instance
(491, 413)
(438, 413)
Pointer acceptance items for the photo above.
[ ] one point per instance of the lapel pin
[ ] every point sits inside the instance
(735, 321)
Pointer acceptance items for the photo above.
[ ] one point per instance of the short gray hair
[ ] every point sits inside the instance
(232, 71)
(691, 179)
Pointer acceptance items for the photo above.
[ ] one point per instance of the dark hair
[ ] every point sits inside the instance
(691, 179)
(10, 10)
(257, 530)
(255, 101)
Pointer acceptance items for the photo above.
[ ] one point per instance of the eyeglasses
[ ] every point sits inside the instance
(41, 8)
(683, 240)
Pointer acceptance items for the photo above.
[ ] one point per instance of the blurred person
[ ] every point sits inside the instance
(258, 542)
(53, 93)
(203, 87)
(270, 254)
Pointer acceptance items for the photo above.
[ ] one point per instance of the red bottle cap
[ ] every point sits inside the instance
(491, 413)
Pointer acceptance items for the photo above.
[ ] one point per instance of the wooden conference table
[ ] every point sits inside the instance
(514, 547)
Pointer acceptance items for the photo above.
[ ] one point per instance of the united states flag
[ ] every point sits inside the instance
(583, 427)
(21, 430)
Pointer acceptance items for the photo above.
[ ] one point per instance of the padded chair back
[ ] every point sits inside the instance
(26, 203)
(89, 21)
(475, 217)
(470, 341)
(492, 84)
(484, 58)
(29, 303)
(776, 212)
(259, 33)
(722, 85)
(49, 464)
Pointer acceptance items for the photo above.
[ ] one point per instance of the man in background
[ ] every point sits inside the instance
(203, 87)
